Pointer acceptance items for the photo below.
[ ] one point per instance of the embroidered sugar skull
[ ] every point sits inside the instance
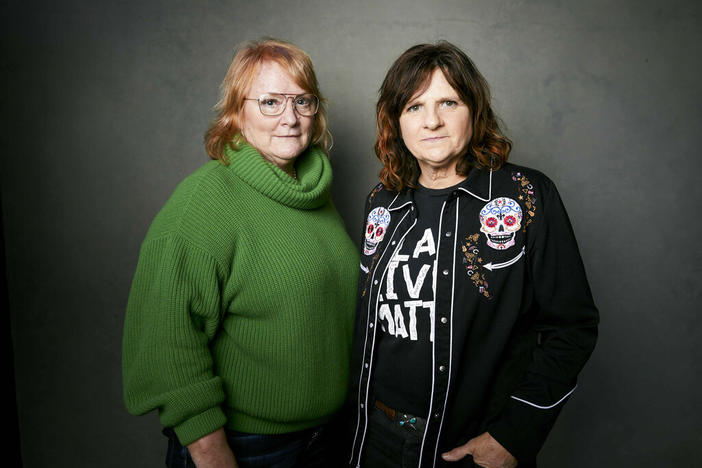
(500, 220)
(376, 225)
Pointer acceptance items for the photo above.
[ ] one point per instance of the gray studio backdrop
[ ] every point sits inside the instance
(105, 104)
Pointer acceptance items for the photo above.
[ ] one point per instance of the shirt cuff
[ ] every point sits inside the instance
(198, 426)
(522, 429)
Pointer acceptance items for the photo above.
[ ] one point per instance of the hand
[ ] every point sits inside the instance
(212, 451)
(486, 451)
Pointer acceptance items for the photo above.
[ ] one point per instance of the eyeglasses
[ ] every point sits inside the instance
(275, 103)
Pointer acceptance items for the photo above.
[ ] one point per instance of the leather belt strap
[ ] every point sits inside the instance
(386, 409)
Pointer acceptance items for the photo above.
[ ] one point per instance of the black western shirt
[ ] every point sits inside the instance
(514, 317)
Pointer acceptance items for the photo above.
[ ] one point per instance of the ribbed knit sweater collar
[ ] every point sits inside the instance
(310, 191)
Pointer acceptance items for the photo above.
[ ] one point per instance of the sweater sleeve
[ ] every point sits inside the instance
(565, 322)
(174, 310)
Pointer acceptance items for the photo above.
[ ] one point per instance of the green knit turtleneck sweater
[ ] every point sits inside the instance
(241, 308)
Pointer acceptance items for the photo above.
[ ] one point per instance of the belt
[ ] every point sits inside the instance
(386, 409)
(405, 420)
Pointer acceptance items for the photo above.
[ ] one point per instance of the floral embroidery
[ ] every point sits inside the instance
(527, 197)
(368, 274)
(474, 264)
(375, 190)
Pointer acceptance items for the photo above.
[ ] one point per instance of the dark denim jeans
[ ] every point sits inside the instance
(304, 449)
(389, 444)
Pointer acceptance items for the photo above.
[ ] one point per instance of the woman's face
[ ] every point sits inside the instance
(436, 125)
(279, 138)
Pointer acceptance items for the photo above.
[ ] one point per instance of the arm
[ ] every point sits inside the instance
(535, 380)
(173, 312)
(212, 451)
(565, 322)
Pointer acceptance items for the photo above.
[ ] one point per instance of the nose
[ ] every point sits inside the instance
(432, 118)
(289, 116)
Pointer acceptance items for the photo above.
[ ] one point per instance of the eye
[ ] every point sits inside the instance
(491, 222)
(270, 101)
(450, 103)
(370, 228)
(380, 231)
(510, 220)
(413, 108)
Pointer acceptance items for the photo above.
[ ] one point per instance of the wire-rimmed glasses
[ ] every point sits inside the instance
(305, 104)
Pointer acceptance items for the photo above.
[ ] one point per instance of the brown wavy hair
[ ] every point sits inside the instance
(410, 75)
(224, 131)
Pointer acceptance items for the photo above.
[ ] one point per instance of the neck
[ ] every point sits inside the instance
(440, 178)
(286, 166)
(290, 170)
(309, 192)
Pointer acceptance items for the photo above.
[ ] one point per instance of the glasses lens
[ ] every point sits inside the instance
(271, 104)
(306, 104)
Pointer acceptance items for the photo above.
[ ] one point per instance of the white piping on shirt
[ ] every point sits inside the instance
(479, 197)
(375, 324)
(433, 343)
(453, 288)
(398, 207)
(393, 201)
(453, 283)
(544, 407)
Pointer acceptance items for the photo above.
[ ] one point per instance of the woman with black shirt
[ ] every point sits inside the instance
(474, 315)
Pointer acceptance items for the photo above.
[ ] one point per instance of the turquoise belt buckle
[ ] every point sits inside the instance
(408, 420)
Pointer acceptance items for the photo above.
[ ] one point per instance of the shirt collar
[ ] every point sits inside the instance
(478, 184)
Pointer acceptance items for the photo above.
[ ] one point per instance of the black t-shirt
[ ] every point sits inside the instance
(402, 374)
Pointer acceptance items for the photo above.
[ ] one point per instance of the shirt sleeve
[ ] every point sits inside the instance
(174, 311)
(564, 328)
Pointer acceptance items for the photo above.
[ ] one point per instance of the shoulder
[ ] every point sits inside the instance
(203, 198)
(526, 182)
(533, 190)
(211, 181)
(379, 196)
(515, 172)
(379, 187)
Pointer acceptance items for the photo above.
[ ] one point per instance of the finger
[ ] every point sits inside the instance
(458, 453)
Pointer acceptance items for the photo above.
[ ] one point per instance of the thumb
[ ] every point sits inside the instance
(459, 452)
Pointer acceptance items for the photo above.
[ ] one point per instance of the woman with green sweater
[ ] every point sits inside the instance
(239, 322)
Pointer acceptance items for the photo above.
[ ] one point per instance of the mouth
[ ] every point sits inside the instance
(287, 136)
(368, 246)
(501, 238)
(433, 139)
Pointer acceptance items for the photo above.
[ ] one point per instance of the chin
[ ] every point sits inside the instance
(290, 152)
(441, 158)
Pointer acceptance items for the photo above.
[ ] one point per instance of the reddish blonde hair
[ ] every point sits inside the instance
(411, 74)
(224, 131)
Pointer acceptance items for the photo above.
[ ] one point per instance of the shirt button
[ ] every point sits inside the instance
(436, 415)
(393, 243)
(443, 320)
(411, 208)
(361, 405)
(441, 368)
(375, 282)
(370, 325)
(445, 272)
(366, 365)
(448, 234)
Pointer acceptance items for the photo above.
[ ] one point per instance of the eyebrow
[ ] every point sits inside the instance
(455, 97)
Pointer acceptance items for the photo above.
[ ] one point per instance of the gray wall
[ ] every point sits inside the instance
(105, 105)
